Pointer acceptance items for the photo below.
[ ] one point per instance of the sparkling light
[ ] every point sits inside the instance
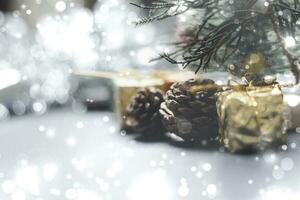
(39, 107)
(28, 12)
(199, 175)
(104, 186)
(266, 4)
(110, 173)
(86, 194)
(55, 192)
(211, 190)
(27, 178)
(292, 100)
(79, 164)
(8, 186)
(193, 168)
(145, 55)
(183, 190)
(287, 164)
(290, 41)
(70, 36)
(150, 186)
(79, 124)
(270, 157)
(18, 195)
(71, 194)
(51, 133)
(207, 167)
(71, 141)
(105, 119)
(60, 6)
(49, 171)
(277, 173)
(42, 128)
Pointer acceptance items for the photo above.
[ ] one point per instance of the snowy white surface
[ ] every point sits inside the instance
(63, 155)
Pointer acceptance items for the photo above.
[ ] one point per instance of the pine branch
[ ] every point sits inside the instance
(226, 37)
(278, 25)
(216, 41)
(163, 9)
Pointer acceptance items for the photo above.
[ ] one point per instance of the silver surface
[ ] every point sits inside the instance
(63, 155)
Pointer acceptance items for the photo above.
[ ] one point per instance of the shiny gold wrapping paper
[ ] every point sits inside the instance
(251, 118)
(126, 88)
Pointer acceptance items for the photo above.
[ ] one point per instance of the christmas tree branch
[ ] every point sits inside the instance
(227, 29)
(223, 38)
(163, 9)
(294, 62)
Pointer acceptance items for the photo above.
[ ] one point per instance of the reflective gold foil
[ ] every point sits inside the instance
(251, 118)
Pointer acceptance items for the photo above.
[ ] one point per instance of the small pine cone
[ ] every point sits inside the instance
(142, 114)
(191, 116)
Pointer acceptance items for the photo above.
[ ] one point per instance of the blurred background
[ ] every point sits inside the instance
(80, 155)
(43, 41)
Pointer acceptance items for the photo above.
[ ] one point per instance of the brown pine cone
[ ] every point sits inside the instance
(191, 116)
(142, 114)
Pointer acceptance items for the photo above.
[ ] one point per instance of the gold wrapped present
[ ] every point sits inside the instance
(251, 118)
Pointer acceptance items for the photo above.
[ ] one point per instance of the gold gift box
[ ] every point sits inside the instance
(251, 118)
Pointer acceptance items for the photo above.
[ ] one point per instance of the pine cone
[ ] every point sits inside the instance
(142, 114)
(191, 116)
